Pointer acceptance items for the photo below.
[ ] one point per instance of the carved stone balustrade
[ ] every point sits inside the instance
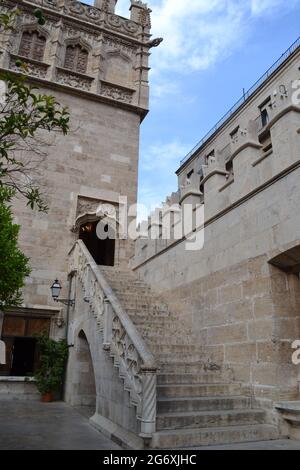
(120, 338)
(33, 67)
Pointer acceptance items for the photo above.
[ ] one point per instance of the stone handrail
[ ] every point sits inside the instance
(136, 363)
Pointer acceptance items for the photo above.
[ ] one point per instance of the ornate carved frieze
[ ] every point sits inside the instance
(112, 43)
(122, 24)
(86, 206)
(99, 17)
(84, 12)
(73, 79)
(72, 32)
(46, 3)
(33, 67)
(117, 93)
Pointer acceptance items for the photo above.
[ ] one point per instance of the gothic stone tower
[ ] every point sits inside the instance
(95, 63)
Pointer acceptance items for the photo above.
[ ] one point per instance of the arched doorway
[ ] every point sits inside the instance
(86, 386)
(103, 251)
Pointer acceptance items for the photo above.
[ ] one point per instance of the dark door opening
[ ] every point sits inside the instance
(103, 251)
(24, 351)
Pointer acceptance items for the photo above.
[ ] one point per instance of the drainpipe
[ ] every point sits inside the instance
(71, 275)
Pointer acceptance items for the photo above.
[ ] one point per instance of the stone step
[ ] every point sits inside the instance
(126, 280)
(181, 368)
(133, 289)
(170, 340)
(198, 390)
(169, 405)
(16, 388)
(141, 315)
(179, 357)
(144, 308)
(176, 349)
(200, 378)
(207, 419)
(194, 437)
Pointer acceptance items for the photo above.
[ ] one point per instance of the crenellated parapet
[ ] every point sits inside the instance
(84, 48)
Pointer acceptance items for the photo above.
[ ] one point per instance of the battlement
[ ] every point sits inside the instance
(258, 147)
(84, 48)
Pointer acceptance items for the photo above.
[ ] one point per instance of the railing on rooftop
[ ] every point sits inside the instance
(242, 100)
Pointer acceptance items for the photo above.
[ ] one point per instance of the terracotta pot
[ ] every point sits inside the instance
(47, 397)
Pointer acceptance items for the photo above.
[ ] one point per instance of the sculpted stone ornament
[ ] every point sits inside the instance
(33, 68)
(155, 42)
(117, 93)
(74, 80)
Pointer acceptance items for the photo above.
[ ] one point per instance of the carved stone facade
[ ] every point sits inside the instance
(94, 63)
(100, 41)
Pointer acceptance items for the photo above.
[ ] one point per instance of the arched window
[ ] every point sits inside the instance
(32, 45)
(76, 58)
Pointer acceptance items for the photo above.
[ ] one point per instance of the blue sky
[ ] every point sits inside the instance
(212, 49)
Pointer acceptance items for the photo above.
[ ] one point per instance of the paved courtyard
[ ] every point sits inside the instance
(55, 426)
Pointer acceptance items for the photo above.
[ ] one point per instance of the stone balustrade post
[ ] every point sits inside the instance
(108, 321)
(148, 414)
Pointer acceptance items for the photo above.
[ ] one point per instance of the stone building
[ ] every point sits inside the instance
(171, 347)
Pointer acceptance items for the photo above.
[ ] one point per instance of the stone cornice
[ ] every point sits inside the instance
(225, 211)
(214, 172)
(191, 192)
(100, 26)
(255, 145)
(278, 116)
(84, 94)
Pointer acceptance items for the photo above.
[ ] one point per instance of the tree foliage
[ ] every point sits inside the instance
(14, 265)
(25, 116)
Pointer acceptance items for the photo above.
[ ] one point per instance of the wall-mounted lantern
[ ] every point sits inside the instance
(55, 290)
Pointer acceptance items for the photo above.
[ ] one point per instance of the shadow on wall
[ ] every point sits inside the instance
(86, 387)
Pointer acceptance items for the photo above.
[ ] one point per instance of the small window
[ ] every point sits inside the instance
(32, 45)
(264, 113)
(190, 174)
(210, 156)
(264, 117)
(234, 134)
(266, 142)
(76, 58)
(229, 169)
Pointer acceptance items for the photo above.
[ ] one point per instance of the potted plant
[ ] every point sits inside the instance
(50, 374)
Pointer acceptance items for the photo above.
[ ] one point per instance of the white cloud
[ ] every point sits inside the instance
(163, 156)
(158, 180)
(270, 7)
(199, 33)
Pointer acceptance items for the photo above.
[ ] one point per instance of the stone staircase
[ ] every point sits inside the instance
(197, 403)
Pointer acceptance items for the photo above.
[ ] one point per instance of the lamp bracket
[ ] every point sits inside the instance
(67, 302)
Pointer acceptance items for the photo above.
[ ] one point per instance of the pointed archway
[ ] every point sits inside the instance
(84, 383)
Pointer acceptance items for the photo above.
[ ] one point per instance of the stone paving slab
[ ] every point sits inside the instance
(28, 425)
(281, 444)
(53, 426)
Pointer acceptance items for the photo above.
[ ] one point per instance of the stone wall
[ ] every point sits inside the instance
(95, 163)
(244, 311)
